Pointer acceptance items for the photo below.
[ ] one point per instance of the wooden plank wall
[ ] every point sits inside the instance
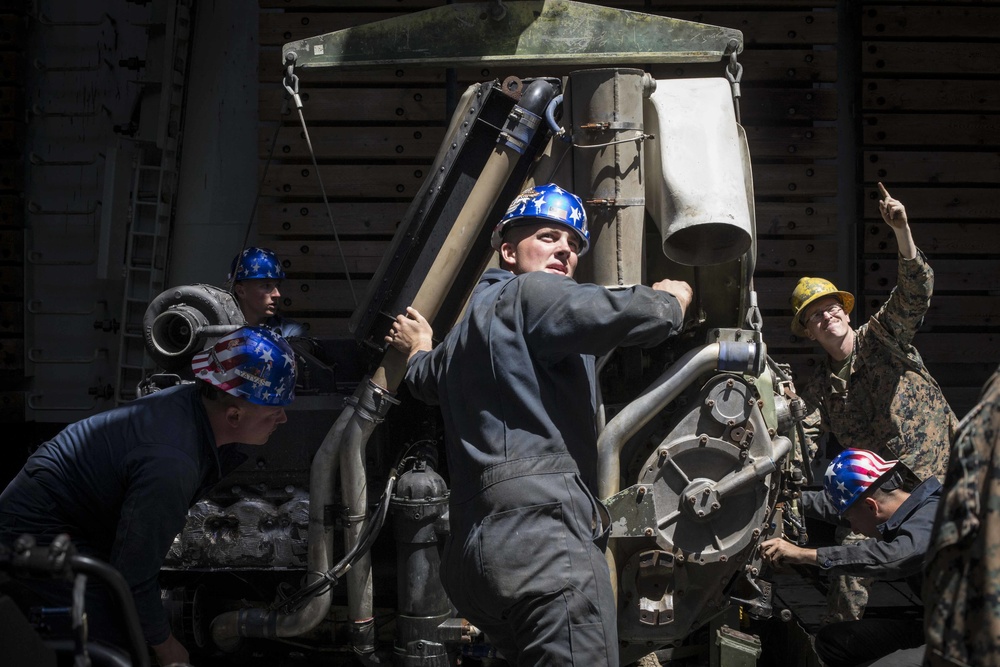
(925, 122)
(930, 129)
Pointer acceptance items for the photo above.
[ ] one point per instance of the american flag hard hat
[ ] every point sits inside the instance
(253, 363)
(850, 474)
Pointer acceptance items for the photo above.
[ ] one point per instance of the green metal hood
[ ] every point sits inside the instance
(517, 33)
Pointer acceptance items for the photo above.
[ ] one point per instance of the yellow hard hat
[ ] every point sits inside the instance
(809, 290)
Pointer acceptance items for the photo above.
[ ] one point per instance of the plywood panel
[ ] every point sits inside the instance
(327, 256)
(937, 129)
(937, 167)
(933, 202)
(310, 218)
(368, 143)
(792, 255)
(946, 95)
(344, 105)
(950, 275)
(960, 58)
(784, 105)
(384, 181)
(934, 22)
(791, 142)
(320, 295)
(938, 238)
(796, 219)
(785, 180)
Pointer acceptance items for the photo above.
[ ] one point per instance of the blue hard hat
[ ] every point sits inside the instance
(252, 363)
(543, 203)
(256, 264)
(851, 473)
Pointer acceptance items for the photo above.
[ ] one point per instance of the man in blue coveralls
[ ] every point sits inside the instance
(120, 483)
(515, 380)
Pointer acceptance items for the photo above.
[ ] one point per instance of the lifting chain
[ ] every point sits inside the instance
(734, 72)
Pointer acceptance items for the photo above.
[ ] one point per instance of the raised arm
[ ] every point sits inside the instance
(894, 214)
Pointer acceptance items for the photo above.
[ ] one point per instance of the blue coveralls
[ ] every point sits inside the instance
(120, 483)
(516, 383)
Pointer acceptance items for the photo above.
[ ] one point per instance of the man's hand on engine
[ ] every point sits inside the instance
(779, 551)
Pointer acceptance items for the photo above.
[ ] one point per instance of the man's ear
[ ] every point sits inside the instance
(239, 290)
(871, 505)
(508, 253)
(233, 416)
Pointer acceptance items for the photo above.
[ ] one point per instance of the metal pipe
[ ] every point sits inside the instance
(228, 628)
(726, 355)
(638, 413)
(459, 242)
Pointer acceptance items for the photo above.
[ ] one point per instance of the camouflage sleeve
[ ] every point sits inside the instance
(962, 574)
(906, 306)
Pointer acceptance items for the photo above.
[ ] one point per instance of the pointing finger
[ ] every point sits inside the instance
(885, 193)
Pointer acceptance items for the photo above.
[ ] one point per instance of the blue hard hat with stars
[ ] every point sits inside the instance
(256, 264)
(543, 203)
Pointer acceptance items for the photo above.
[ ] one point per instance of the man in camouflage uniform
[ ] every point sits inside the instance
(962, 585)
(872, 390)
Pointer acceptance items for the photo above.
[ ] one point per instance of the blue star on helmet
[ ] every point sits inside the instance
(575, 215)
(267, 356)
(841, 487)
(266, 395)
(289, 361)
(539, 202)
(256, 265)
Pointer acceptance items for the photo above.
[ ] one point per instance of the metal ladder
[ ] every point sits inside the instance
(154, 190)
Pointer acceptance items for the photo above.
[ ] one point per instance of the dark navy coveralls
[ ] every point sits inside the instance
(516, 383)
(120, 483)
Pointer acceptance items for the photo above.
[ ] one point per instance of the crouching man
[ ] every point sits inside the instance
(865, 490)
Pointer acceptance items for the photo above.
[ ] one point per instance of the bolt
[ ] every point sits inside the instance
(715, 506)
(703, 439)
(706, 492)
(756, 533)
(692, 500)
(649, 532)
(710, 403)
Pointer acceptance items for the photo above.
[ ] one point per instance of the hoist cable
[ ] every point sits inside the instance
(291, 84)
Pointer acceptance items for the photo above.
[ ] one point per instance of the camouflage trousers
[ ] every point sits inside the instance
(847, 596)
